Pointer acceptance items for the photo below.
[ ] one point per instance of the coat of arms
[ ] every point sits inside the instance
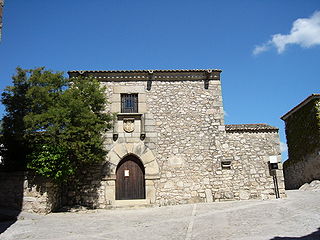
(128, 125)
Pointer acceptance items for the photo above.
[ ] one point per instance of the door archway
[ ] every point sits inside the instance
(130, 179)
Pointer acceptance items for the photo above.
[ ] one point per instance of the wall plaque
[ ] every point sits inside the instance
(128, 125)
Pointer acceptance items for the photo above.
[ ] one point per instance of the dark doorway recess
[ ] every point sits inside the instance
(130, 182)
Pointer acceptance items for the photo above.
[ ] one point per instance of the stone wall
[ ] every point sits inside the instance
(301, 172)
(88, 189)
(24, 191)
(250, 176)
(187, 119)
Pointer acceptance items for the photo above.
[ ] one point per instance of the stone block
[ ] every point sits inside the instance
(150, 192)
(120, 150)
(110, 193)
(132, 140)
(115, 98)
(142, 97)
(229, 195)
(209, 196)
(129, 147)
(147, 157)
(221, 128)
(176, 161)
(169, 185)
(112, 168)
(215, 82)
(149, 128)
(152, 135)
(113, 158)
(128, 89)
(139, 148)
(149, 122)
(244, 195)
(115, 107)
(152, 168)
(180, 184)
(206, 181)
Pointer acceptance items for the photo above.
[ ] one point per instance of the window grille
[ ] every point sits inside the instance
(129, 103)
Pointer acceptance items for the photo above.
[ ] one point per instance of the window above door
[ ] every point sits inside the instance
(129, 103)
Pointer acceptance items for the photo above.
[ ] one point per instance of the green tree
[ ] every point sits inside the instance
(13, 127)
(64, 123)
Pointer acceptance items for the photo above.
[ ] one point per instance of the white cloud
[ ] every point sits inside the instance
(225, 113)
(283, 147)
(305, 32)
(261, 48)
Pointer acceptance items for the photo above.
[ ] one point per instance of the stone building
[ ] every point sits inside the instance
(303, 139)
(169, 144)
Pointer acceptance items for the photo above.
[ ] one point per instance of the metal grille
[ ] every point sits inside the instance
(129, 103)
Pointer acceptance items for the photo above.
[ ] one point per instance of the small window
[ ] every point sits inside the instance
(226, 164)
(129, 103)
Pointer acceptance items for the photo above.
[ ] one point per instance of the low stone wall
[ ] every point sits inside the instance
(27, 192)
(89, 189)
(297, 173)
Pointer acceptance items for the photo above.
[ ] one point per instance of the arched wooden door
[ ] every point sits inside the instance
(130, 182)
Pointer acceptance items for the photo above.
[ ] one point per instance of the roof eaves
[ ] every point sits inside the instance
(145, 71)
(300, 105)
(250, 127)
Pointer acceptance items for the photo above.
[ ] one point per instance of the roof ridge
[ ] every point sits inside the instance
(301, 104)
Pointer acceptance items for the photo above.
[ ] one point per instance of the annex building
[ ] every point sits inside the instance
(303, 138)
(170, 145)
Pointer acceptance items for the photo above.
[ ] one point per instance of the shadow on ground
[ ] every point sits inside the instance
(11, 196)
(7, 218)
(312, 236)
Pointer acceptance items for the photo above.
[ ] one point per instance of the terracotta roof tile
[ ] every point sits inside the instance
(249, 127)
(146, 71)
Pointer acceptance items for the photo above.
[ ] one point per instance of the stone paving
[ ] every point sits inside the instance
(296, 217)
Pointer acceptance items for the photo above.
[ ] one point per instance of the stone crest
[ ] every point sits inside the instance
(128, 125)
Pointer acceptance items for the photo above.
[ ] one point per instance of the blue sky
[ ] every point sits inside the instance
(261, 81)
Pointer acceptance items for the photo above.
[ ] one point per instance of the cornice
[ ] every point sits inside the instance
(154, 75)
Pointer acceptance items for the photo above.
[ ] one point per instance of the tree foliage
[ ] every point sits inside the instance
(15, 101)
(62, 122)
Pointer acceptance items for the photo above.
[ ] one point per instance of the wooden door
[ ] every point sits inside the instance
(130, 182)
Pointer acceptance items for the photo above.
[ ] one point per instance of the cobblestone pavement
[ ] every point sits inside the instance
(296, 217)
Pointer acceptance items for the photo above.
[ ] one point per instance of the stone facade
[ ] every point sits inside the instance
(27, 192)
(303, 139)
(178, 133)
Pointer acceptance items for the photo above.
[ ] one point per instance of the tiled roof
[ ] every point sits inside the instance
(153, 75)
(249, 127)
(146, 71)
(300, 105)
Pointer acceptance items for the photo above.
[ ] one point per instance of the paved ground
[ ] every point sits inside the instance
(297, 217)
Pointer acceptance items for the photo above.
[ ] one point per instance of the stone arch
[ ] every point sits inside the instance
(141, 151)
